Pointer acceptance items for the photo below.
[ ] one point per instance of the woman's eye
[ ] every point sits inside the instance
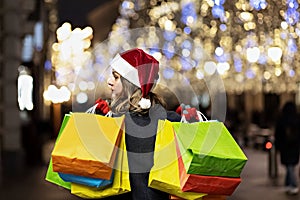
(116, 76)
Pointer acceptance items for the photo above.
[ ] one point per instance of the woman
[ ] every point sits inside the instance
(134, 75)
(287, 141)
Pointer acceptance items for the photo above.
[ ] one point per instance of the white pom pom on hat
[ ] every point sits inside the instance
(139, 68)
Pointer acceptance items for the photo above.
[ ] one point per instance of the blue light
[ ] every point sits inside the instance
(292, 4)
(188, 10)
(27, 48)
(153, 50)
(57, 74)
(99, 59)
(297, 31)
(258, 4)
(38, 36)
(187, 30)
(223, 27)
(291, 73)
(168, 50)
(292, 46)
(185, 65)
(250, 42)
(283, 35)
(101, 78)
(250, 74)
(223, 58)
(219, 2)
(262, 59)
(126, 5)
(291, 16)
(238, 65)
(186, 44)
(48, 65)
(168, 73)
(218, 11)
(169, 35)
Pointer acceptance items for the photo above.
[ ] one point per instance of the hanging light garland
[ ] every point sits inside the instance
(252, 44)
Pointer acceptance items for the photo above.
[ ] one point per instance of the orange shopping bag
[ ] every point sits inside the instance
(213, 185)
(88, 145)
(120, 184)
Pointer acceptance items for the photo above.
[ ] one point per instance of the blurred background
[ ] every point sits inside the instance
(54, 56)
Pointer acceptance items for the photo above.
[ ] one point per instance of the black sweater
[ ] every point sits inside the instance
(140, 141)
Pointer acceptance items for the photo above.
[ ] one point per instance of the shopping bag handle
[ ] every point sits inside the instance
(92, 110)
(200, 115)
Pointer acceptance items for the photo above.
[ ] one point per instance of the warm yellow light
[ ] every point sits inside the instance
(253, 54)
(284, 25)
(223, 67)
(56, 95)
(219, 51)
(87, 32)
(275, 53)
(63, 32)
(169, 26)
(185, 52)
(83, 85)
(246, 16)
(267, 75)
(210, 67)
(190, 19)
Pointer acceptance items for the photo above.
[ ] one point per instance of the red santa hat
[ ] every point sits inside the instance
(139, 68)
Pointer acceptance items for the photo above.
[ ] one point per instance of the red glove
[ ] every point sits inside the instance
(102, 107)
(191, 114)
(179, 110)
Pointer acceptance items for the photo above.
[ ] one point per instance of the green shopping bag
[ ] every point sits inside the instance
(165, 175)
(52, 176)
(207, 148)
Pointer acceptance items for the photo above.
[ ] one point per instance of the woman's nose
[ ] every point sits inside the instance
(110, 82)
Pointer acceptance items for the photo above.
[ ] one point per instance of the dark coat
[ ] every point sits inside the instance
(287, 136)
(140, 141)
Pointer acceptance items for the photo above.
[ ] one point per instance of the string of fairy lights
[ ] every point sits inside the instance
(251, 44)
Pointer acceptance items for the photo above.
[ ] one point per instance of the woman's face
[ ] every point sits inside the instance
(115, 84)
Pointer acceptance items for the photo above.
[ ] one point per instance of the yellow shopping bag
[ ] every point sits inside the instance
(88, 145)
(164, 174)
(120, 183)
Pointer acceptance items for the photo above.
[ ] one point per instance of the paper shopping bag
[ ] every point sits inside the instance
(209, 149)
(93, 182)
(120, 183)
(52, 176)
(212, 185)
(164, 174)
(88, 145)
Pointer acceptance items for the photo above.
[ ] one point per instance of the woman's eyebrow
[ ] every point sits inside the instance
(115, 73)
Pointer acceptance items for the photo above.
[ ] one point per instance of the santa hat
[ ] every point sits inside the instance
(139, 68)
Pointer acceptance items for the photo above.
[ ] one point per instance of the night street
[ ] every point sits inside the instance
(256, 183)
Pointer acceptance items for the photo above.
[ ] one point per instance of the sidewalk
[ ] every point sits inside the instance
(256, 183)
(30, 184)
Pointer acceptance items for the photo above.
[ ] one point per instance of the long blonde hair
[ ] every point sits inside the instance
(129, 98)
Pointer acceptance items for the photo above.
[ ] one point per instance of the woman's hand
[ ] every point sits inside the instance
(102, 107)
(189, 113)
